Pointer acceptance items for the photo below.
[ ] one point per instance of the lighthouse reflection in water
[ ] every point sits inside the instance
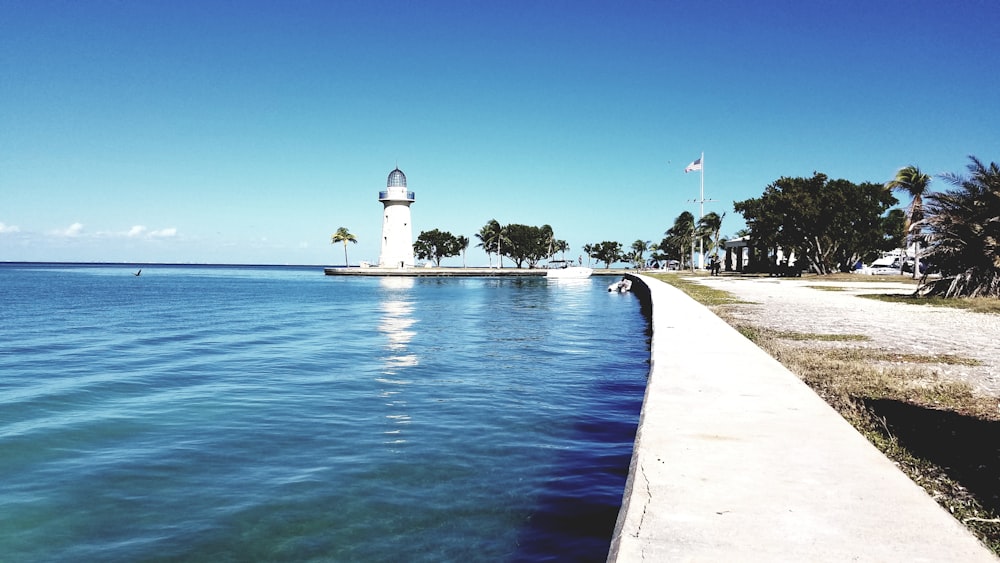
(396, 321)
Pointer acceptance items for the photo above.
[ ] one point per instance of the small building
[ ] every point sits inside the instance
(736, 249)
(743, 256)
(397, 231)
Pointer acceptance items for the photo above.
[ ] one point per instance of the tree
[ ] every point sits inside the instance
(894, 229)
(607, 252)
(345, 236)
(830, 224)
(678, 241)
(463, 245)
(422, 249)
(655, 256)
(435, 245)
(560, 246)
(489, 239)
(529, 244)
(637, 256)
(914, 183)
(708, 231)
(963, 232)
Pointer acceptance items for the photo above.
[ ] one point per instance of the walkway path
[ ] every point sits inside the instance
(744, 462)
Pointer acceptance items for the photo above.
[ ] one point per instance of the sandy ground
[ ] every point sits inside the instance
(796, 305)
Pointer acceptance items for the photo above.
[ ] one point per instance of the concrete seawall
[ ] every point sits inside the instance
(737, 459)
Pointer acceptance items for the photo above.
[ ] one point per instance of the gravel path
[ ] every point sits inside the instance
(796, 305)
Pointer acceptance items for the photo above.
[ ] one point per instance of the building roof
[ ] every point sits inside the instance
(396, 179)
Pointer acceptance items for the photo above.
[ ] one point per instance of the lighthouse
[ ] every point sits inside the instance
(397, 233)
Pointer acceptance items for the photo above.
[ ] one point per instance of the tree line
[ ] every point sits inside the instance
(527, 246)
(832, 225)
(524, 245)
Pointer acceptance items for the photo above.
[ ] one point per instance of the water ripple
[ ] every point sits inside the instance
(241, 414)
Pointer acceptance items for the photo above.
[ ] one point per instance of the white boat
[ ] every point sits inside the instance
(621, 286)
(566, 270)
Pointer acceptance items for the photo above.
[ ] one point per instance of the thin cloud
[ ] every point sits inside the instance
(4, 228)
(163, 233)
(134, 232)
(71, 231)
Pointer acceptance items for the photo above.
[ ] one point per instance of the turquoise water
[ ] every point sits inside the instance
(267, 413)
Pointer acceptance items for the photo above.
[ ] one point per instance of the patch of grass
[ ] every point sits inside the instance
(876, 355)
(863, 278)
(836, 277)
(826, 287)
(843, 374)
(846, 375)
(791, 335)
(702, 293)
(975, 304)
(869, 355)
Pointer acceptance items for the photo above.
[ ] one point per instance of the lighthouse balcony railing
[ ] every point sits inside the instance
(393, 195)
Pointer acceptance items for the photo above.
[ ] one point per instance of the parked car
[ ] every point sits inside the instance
(883, 270)
(925, 267)
(786, 270)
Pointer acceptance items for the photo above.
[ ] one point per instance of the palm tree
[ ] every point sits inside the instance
(681, 236)
(560, 245)
(502, 235)
(463, 245)
(654, 253)
(588, 249)
(345, 236)
(489, 238)
(963, 227)
(708, 230)
(911, 180)
(550, 241)
(638, 249)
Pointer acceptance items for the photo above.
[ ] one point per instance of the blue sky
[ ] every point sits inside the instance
(247, 132)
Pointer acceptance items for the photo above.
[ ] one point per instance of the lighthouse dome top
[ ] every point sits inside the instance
(396, 179)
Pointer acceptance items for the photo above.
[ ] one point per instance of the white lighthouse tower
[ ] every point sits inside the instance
(397, 233)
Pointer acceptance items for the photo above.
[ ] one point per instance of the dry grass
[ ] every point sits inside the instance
(826, 287)
(843, 374)
(701, 293)
(838, 277)
(792, 335)
(975, 304)
(860, 278)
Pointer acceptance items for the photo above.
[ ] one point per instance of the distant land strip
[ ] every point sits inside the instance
(455, 272)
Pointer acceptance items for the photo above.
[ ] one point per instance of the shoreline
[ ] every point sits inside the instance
(446, 271)
(456, 272)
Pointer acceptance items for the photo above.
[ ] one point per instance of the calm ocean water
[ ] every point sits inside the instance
(266, 413)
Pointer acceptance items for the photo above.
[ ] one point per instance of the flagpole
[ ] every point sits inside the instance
(701, 252)
(700, 166)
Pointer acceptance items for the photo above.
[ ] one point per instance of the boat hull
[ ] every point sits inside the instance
(572, 272)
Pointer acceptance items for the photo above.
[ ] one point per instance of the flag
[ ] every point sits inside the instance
(696, 165)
